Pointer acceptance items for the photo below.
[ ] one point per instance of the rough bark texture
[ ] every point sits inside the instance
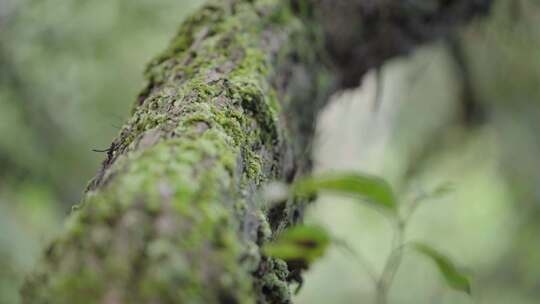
(174, 216)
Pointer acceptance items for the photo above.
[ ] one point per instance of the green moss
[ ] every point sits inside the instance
(273, 283)
(165, 217)
(254, 170)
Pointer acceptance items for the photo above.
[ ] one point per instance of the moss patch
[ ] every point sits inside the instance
(174, 215)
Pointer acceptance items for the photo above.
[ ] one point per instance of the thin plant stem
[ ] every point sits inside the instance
(360, 258)
(392, 264)
(395, 257)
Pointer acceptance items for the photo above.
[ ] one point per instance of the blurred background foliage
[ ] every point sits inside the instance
(69, 73)
(70, 70)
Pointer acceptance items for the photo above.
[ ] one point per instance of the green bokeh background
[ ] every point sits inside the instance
(71, 69)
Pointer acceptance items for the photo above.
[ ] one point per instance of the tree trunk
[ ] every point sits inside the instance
(174, 214)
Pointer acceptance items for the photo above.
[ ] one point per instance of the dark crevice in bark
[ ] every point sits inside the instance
(471, 111)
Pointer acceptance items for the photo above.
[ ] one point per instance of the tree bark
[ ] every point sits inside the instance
(174, 214)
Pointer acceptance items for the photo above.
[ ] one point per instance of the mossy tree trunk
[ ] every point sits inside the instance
(174, 214)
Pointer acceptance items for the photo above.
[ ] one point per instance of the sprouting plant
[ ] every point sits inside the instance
(304, 244)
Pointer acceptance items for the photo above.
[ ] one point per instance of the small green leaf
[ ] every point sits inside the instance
(373, 189)
(452, 275)
(442, 190)
(299, 243)
(438, 192)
